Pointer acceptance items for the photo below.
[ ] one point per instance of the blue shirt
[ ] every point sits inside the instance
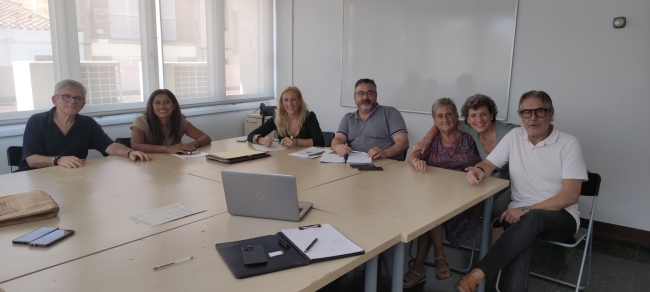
(43, 137)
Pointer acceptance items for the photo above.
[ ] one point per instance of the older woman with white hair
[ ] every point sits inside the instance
(450, 149)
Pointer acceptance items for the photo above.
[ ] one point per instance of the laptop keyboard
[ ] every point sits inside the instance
(300, 210)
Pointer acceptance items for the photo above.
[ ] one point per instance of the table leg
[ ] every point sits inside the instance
(371, 275)
(398, 267)
(485, 233)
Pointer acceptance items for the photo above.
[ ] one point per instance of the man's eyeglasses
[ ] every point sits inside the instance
(539, 112)
(369, 93)
(77, 99)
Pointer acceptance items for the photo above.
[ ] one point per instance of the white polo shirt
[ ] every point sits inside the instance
(537, 171)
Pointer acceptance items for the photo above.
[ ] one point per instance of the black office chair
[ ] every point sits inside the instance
(328, 137)
(14, 155)
(124, 141)
(589, 189)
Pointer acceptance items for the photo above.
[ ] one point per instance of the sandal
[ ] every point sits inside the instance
(441, 270)
(410, 284)
(466, 284)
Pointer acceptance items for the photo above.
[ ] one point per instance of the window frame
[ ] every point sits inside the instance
(67, 65)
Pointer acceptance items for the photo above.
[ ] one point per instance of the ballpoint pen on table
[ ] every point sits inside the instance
(175, 262)
(311, 244)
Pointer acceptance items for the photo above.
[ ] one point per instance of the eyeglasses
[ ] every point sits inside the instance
(539, 112)
(77, 99)
(364, 93)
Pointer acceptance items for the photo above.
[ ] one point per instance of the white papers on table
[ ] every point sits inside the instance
(311, 152)
(274, 147)
(330, 243)
(185, 156)
(165, 214)
(353, 158)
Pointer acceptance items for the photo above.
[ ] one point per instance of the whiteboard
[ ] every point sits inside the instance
(420, 50)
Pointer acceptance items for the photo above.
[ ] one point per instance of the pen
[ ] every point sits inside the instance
(176, 262)
(311, 244)
(283, 244)
(345, 158)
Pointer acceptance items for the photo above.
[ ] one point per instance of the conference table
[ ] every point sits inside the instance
(309, 173)
(96, 201)
(375, 209)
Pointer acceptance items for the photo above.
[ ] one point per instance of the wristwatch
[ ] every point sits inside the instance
(526, 209)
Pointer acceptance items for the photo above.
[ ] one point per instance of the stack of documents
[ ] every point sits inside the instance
(353, 158)
(311, 152)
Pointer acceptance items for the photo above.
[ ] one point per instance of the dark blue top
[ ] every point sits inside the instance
(43, 137)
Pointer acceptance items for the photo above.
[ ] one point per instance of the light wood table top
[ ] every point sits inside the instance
(130, 267)
(96, 201)
(400, 199)
(308, 172)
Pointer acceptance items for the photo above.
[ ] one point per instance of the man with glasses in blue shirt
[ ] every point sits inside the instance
(546, 173)
(378, 130)
(61, 136)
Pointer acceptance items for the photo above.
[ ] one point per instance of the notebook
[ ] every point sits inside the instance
(353, 158)
(311, 152)
(235, 156)
(331, 244)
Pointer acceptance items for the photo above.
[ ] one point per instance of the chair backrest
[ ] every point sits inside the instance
(592, 187)
(14, 155)
(124, 141)
(328, 136)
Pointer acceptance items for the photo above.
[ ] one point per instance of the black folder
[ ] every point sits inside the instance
(237, 159)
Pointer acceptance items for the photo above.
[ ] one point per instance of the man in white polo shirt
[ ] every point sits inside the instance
(546, 173)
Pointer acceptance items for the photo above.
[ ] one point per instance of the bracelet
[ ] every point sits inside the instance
(481, 168)
(256, 139)
(55, 160)
(128, 154)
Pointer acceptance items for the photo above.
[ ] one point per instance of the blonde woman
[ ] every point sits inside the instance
(295, 124)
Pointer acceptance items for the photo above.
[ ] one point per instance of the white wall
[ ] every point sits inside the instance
(598, 77)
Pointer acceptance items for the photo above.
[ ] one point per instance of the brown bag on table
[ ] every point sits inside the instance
(27, 207)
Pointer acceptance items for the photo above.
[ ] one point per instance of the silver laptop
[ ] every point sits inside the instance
(263, 195)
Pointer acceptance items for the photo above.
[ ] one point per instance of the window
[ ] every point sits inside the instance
(26, 68)
(185, 54)
(205, 51)
(248, 47)
(109, 51)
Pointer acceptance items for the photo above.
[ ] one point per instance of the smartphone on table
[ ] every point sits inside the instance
(52, 238)
(29, 237)
(253, 254)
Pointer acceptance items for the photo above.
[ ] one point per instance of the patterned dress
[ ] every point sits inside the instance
(458, 156)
